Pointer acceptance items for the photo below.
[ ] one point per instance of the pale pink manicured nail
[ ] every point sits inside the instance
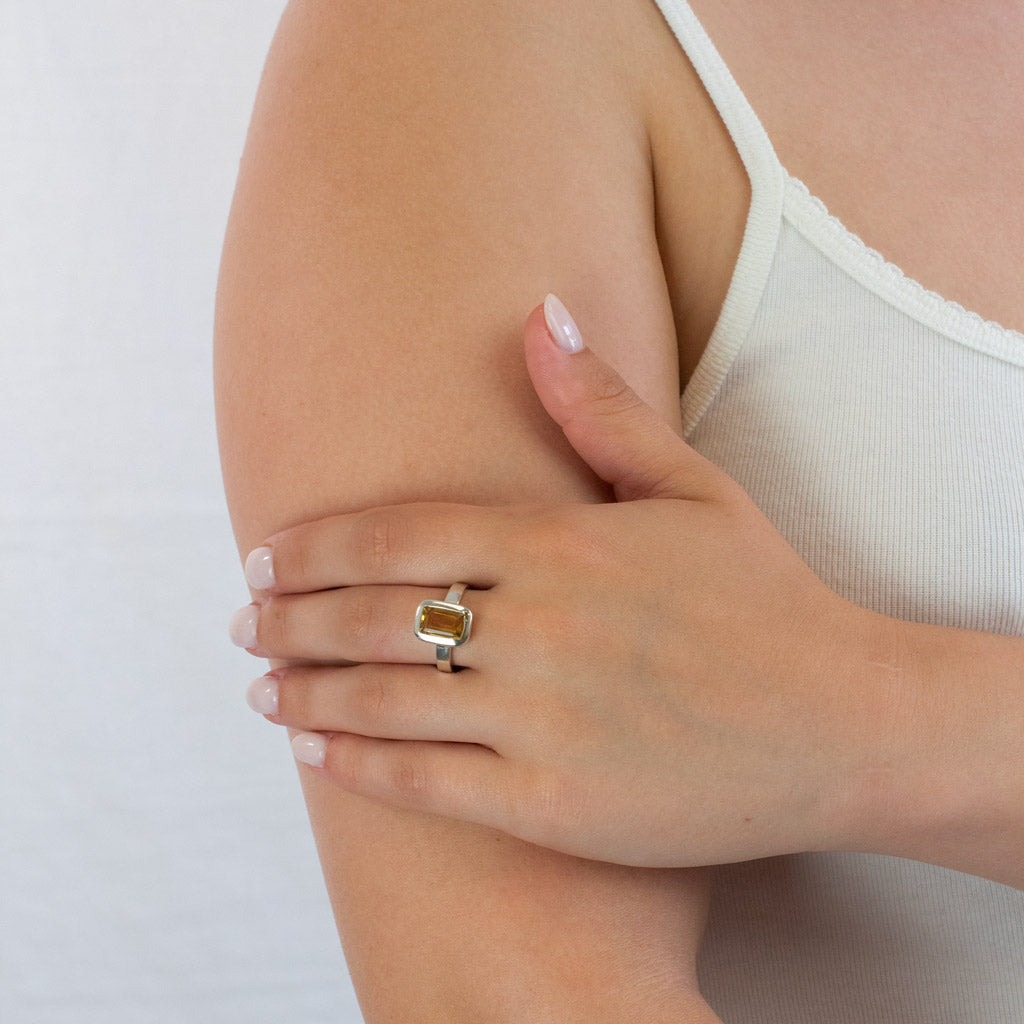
(310, 748)
(242, 627)
(561, 325)
(262, 695)
(259, 568)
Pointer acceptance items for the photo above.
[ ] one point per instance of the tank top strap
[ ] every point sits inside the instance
(767, 192)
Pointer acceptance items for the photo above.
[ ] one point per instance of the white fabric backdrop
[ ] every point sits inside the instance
(155, 860)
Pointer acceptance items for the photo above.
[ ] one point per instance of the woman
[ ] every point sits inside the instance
(419, 175)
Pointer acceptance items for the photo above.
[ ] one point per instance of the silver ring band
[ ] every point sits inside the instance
(445, 624)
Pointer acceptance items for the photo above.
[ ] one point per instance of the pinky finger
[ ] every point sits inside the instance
(455, 780)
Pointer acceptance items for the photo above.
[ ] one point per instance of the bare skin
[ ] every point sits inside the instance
(912, 136)
(415, 179)
(377, 196)
(747, 711)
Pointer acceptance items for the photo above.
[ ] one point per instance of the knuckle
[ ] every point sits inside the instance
(378, 539)
(365, 625)
(549, 802)
(540, 808)
(407, 778)
(555, 632)
(565, 536)
(548, 534)
(372, 701)
(348, 763)
(614, 394)
(610, 395)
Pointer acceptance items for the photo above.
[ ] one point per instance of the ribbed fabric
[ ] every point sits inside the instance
(881, 428)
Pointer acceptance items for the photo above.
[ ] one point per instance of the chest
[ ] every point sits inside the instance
(903, 118)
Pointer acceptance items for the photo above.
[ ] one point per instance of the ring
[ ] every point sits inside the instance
(445, 624)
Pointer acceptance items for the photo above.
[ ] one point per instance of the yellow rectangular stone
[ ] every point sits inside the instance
(442, 622)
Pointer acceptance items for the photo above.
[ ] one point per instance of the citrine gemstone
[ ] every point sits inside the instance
(444, 623)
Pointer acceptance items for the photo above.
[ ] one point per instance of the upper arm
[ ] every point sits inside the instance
(413, 185)
(417, 177)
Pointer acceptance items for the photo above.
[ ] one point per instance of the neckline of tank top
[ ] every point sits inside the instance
(776, 194)
(850, 253)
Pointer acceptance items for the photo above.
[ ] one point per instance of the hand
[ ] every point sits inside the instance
(659, 681)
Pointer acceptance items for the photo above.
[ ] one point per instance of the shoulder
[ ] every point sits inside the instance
(417, 177)
(492, 99)
(401, 57)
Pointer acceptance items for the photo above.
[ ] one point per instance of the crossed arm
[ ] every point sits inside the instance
(410, 187)
(691, 692)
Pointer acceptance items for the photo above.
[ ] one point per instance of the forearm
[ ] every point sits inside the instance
(945, 780)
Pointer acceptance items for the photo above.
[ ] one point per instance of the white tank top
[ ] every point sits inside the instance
(881, 428)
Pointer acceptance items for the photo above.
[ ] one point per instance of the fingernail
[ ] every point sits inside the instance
(262, 695)
(310, 748)
(259, 568)
(561, 325)
(242, 627)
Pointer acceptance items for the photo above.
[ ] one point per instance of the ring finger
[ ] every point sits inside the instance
(358, 624)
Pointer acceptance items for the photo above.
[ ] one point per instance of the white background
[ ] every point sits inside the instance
(155, 860)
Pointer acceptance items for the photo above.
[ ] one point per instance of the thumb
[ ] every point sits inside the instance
(611, 428)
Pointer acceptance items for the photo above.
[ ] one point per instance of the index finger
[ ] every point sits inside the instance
(430, 544)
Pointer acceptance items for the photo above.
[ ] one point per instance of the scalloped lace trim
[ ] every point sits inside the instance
(807, 212)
